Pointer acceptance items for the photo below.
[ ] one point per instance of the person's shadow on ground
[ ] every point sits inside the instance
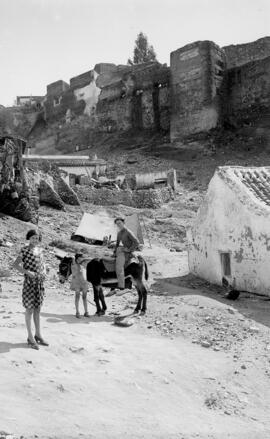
(7, 347)
(71, 318)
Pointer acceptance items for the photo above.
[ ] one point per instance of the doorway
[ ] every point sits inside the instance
(225, 259)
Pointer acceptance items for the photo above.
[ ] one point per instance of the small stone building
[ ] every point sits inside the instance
(231, 235)
(76, 169)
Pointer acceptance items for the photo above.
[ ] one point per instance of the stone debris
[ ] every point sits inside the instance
(254, 330)
(206, 344)
(49, 196)
(66, 193)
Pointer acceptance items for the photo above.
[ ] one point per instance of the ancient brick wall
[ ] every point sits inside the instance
(114, 115)
(57, 88)
(248, 91)
(117, 98)
(67, 100)
(197, 72)
(237, 55)
(196, 94)
(164, 103)
(82, 80)
(148, 111)
(138, 94)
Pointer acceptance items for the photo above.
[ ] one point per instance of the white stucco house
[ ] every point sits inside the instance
(231, 235)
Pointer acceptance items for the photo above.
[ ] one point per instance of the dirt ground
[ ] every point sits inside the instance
(195, 366)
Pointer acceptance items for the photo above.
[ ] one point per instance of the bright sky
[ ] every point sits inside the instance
(42, 41)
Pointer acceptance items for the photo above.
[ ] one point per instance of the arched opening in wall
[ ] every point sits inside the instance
(155, 98)
(137, 119)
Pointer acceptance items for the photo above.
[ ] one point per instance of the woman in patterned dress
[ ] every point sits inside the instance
(30, 263)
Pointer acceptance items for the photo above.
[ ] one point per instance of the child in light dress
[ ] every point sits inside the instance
(79, 285)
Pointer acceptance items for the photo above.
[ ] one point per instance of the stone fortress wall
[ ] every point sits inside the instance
(205, 88)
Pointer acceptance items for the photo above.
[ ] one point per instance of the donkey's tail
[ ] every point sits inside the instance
(146, 271)
(144, 264)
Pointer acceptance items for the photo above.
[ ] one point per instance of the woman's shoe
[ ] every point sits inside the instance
(78, 315)
(32, 344)
(86, 314)
(40, 341)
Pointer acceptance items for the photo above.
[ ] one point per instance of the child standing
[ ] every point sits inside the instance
(79, 285)
(30, 263)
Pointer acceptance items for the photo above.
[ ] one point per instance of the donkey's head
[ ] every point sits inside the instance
(64, 269)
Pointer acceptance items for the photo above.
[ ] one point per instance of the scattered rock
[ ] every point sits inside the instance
(206, 344)
(76, 350)
(254, 329)
(61, 388)
(124, 322)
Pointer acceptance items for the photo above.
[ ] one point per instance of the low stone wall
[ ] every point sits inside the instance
(103, 196)
(151, 199)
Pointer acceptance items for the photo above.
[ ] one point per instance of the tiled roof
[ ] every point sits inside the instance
(77, 170)
(256, 180)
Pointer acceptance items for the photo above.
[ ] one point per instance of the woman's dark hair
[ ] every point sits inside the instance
(119, 219)
(31, 233)
(78, 256)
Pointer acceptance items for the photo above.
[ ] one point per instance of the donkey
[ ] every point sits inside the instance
(99, 277)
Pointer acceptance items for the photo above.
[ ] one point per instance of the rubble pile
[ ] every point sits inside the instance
(66, 193)
(48, 195)
(51, 189)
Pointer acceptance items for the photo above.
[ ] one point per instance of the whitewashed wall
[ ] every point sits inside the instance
(226, 223)
(89, 94)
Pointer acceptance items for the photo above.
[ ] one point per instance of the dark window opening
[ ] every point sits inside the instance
(225, 264)
(155, 98)
(239, 76)
(220, 63)
(137, 119)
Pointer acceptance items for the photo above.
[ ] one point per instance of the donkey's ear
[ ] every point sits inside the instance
(59, 254)
(60, 258)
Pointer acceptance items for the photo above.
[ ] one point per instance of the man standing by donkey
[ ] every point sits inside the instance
(126, 244)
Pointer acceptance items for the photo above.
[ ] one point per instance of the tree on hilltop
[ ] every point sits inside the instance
(143, 51)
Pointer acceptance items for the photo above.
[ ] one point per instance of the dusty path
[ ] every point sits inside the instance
(97, 380)
(196, 366)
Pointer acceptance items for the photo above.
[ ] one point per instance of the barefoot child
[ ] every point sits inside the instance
(79, 285)
(30, 263)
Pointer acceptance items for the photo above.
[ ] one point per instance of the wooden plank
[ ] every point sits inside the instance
(72, 247)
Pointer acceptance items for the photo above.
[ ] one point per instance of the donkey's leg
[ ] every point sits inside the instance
(142, 291)
(102, 299)
(96, 298)
(139, 303)
(144, 301)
